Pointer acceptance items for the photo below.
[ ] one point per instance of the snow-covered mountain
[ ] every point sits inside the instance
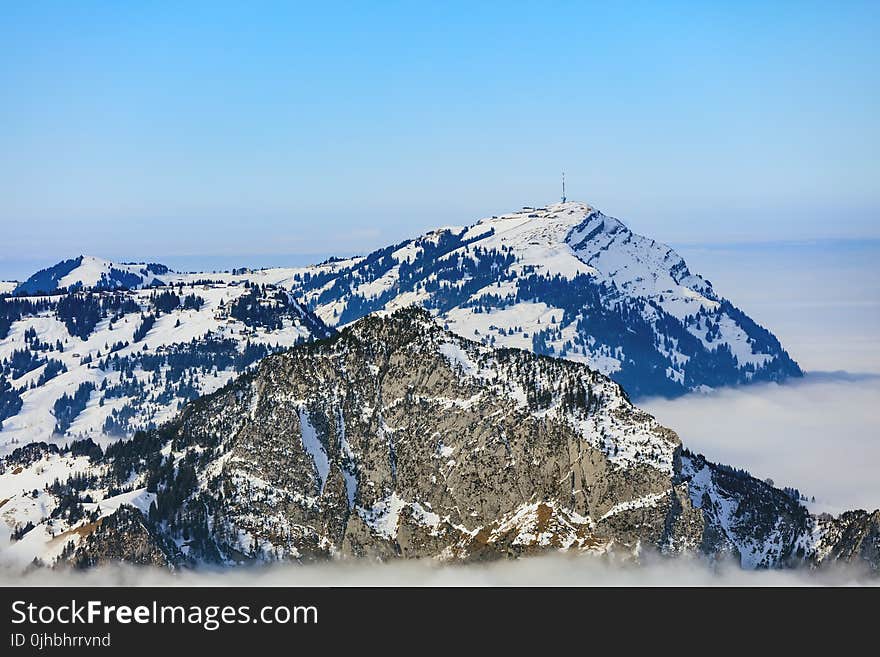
(564, 280)
(397, 438)
(91, 273)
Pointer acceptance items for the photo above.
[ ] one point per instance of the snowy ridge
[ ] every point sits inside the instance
(639, 265)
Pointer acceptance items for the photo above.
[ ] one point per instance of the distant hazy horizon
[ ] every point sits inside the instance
(16, 268)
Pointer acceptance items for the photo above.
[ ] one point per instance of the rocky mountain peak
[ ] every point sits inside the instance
(398, 438)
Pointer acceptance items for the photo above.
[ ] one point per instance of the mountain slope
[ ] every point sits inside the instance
(397, 438)
(102, 364)
(565, 281)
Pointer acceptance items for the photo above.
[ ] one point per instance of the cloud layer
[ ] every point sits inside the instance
(553, 570)
(820, 435)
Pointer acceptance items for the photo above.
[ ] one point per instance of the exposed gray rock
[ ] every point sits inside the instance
(399, 439)
(124, 536)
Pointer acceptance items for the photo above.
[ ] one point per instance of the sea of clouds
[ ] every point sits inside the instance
(820, 435)
(551, 570)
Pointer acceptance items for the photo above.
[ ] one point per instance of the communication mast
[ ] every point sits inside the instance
(563, 186)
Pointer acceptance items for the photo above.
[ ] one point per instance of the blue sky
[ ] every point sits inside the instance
(262, 132)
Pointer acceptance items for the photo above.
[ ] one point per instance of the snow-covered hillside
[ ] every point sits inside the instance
(102, 365)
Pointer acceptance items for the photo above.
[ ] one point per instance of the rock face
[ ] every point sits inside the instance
(124, 536)
(397, 438)
(853, 536)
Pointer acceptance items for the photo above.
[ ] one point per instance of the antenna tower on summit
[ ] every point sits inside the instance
(563, 186)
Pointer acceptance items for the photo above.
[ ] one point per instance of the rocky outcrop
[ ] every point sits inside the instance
(851, 537)
(399, 439)
(124, 536)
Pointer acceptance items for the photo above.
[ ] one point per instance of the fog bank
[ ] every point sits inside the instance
(552, 570)
(820, 434)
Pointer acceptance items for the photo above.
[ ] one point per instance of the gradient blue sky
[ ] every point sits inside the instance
(253, 131)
